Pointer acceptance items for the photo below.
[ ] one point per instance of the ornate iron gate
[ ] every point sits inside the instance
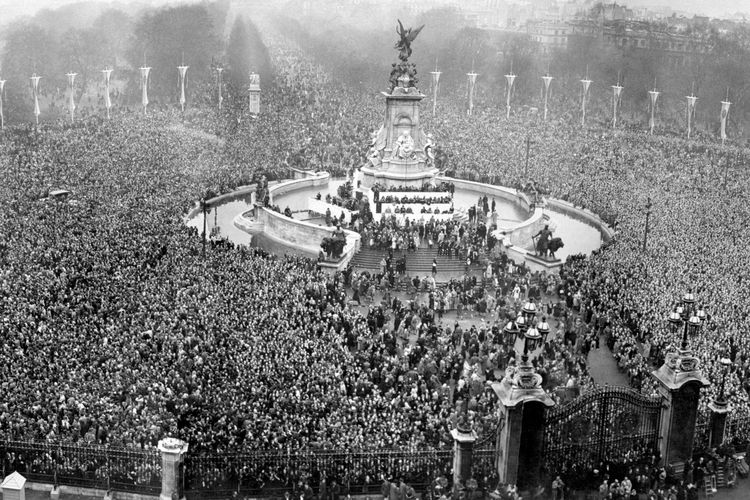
(616, 425)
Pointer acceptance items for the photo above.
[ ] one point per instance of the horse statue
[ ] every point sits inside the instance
(554, 245)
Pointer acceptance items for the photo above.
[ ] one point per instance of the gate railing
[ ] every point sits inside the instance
(84, 465)
(738, 432)
(614, 424)
(209, 475)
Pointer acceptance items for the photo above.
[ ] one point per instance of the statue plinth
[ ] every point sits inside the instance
(521, 431)
(400, 151)
(679, 383)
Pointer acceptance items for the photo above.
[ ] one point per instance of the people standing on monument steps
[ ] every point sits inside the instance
(159, 358)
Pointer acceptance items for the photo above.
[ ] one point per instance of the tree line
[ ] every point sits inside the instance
(162, 39)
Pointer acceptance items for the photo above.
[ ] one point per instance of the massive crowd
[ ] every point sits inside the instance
(118, 330)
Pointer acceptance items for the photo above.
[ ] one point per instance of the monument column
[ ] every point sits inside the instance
(172, 455)
(401, 153)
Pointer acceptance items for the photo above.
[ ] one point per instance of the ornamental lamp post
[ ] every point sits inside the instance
(531, 340)
(685, 315)
(529, 311)
(679, 380)
(511, 331)
(720, 408)
(721, 399)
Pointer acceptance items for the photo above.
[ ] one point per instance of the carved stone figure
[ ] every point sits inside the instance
(428, 149)
(404, 148)
(406, 37)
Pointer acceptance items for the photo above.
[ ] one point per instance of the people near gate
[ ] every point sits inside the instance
(119, 329)
(558, 489)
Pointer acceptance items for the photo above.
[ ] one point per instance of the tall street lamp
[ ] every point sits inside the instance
(687, 316)
(523, 328)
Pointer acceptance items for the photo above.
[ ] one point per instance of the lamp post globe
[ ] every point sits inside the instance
(529, 310)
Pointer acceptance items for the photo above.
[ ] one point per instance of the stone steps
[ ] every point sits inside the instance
(419, 262)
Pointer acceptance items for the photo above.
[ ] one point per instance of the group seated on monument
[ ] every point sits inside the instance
(423, 200)
(444, 187)
(409, 210)
(123, 299)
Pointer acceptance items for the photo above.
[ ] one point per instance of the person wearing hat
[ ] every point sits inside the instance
(558, 488)
(385, 488)
(603, 490)
(393, 491)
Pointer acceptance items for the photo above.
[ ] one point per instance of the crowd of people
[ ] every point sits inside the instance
(118, 330)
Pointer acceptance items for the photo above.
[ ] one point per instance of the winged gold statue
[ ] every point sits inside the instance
(407, 36)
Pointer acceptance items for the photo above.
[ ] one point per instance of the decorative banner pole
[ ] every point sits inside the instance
(616, 93)
(690, 108)
(724, 115)
(435, 82)
(145, 70)
(509, 79)
(547, 80)
(107, 101)
(182, 73)
(219, 70)
(35, 88)
(585, 84)
(254, 97)
(2, 117)
(472, 81)
(653, 95)
(72, 102)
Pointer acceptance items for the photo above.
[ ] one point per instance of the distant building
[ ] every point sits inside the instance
(550, 35)
(638, 35)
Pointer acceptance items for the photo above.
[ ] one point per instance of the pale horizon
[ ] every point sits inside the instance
(14, 9)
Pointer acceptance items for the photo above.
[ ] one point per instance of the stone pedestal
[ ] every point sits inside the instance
(14, 487)
(463, 446)
(172, 454)
(521, 435)
(254, 94)
(719, 410)
(385, 164)
(679, 384)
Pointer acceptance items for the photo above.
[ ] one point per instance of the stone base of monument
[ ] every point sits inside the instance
(543, 261)
(397, 173)
(534, 262)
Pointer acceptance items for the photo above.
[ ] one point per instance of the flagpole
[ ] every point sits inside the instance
(509, 79)
(691, 99)
(472, 81)
(435, 82)
(145, 70)
(616, 92)
(547, 80)
(585, 84)
(724, 115)
(2, 117)
(72, 104)
(107, 101)
(182, 71)
(35, 86)
(219, 69)
(653, 95)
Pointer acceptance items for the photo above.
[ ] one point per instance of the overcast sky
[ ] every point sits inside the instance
(716, 8)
